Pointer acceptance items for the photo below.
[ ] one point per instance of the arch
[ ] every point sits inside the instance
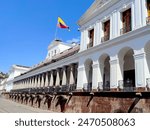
(123, 51)
(104, 65)
(127, 67)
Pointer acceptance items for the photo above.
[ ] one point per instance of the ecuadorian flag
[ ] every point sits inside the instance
(61, 24)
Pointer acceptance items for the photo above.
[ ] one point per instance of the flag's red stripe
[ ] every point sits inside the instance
(60, 25)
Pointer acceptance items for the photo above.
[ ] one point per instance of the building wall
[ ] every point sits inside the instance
(139, 14)
(116, 50)
(117, 46)
(56, 50)
(14, 72)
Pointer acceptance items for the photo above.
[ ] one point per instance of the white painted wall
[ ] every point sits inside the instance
(14, 72)
(139, 14)
(56, 48)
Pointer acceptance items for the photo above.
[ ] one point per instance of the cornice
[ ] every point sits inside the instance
(95, 10)
(118, 40)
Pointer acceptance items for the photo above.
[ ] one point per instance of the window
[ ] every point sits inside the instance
(106, 29)
(55, 52)
(126, 21)
(148, 11)
(91, 38)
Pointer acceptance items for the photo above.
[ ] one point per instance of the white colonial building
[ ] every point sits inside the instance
(115, 44)
(114, 51)
(15, 71)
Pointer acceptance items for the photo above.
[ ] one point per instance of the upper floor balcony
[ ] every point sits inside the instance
(125, 29)
(105, 38)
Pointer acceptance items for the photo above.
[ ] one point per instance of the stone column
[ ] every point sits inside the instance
(42, 81)
(113, 73)
(39, 81)
(51, 83)
(57, 78)
(96, 79)
(46, 80)
(35, 81)
(26, 83)
(81, 77)
(64, 77)
(100, 80)
(140, 67)
(116, 72)
(71, 80)
(32, 82)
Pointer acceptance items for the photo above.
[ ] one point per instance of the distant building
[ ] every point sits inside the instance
(2, 76)
(55, 47)
(15, 71)
(3, 85)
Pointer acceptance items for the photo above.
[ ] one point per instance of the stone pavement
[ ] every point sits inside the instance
(8, 106)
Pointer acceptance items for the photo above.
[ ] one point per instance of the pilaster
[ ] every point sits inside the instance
(140, 73)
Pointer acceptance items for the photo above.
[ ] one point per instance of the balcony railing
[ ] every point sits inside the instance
(105, 38)
(148, 20)
(65, 88)
(87, 87)
(125, 30)
(128, 89)
(90, 45)
(102, 87)
(72, 87)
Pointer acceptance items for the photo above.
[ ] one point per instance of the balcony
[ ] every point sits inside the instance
(90, 44)
(72, 87)
(125, 30)
(102, 87)
(148, 20)
(105, 38)
(87, 87)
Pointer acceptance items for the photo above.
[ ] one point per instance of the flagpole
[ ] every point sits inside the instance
(56, 32)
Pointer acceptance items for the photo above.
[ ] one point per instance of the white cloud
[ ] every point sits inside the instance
(76, 40)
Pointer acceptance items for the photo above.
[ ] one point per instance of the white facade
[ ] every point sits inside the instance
(14, 72)
(57, 47)
(114, 51)
(110, 60)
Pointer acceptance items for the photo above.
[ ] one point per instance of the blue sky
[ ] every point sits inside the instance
(28, 26)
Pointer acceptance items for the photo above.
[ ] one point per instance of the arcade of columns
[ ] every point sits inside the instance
(65, 76)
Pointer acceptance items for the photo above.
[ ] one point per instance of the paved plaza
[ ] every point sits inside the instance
(7, 106)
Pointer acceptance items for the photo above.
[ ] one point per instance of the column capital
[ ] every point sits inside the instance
(139, 54)
(81, 68)
(96, 65)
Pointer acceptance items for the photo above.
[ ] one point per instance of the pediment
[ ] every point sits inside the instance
(97, 5)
